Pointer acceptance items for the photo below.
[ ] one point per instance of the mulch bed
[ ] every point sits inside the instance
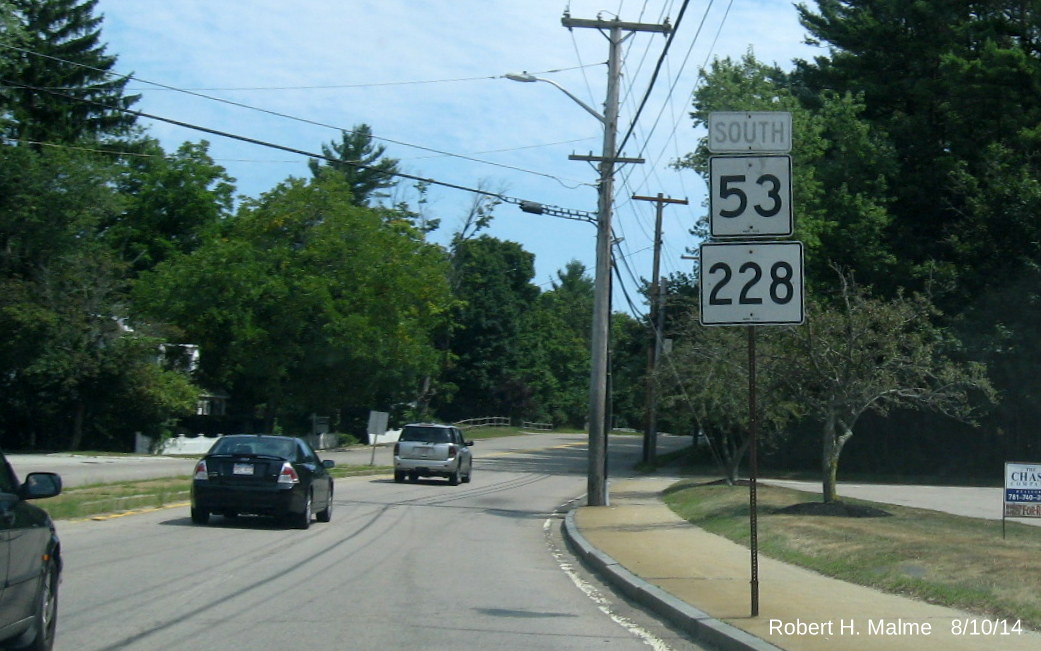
(833, 509)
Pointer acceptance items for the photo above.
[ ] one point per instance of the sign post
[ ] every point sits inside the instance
(377, 427)
(751, 281)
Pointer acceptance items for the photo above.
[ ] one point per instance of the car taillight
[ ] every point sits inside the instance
(397, 449)
(200, 470)
(288, 474)
(452, 450)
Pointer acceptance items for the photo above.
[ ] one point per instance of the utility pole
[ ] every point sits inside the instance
(598, 427)
(656, 298)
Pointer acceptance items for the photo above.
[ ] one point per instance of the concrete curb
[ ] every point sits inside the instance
(696, 623)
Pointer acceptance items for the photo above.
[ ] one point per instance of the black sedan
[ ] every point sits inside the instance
(280, 476)
(30, 561)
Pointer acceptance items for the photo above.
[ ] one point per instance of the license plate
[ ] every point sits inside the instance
(425, 452)
(242, 469)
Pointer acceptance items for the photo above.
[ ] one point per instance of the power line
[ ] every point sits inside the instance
(527, 206)
(416, 82)
(654, 76)
(575, 184)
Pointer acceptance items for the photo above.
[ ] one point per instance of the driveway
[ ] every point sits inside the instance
(973, 502)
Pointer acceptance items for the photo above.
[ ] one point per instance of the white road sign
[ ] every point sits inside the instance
(751, 283)
(750, 196)
(749, 132)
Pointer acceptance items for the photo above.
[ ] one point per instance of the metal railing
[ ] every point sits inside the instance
(543, 427)
(487, 421)
(500, 421)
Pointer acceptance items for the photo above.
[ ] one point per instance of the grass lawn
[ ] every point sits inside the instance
(936, 557)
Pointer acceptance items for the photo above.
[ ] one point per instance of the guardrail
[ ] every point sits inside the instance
(488, 421)
(543, 427)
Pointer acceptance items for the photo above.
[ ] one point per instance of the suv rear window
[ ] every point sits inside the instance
(426, 434)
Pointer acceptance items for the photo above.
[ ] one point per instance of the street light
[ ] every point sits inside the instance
(598, 387)
(526, 78)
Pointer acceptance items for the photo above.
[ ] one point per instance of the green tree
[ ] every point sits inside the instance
(63, 303)
(706, 375)
(306, 304)
(841, 166)
(857, 353)
(172, 203)
(361, 163)
(628, 381)
(491, 280)
(555, 339)
(954, 85)
(58, 46)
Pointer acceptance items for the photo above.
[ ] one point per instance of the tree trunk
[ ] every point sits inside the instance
(833, 444)
(77, 426)
(733, 459)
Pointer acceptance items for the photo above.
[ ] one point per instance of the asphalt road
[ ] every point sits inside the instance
(79, 469)
(424, 565)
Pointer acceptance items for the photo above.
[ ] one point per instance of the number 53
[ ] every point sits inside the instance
(750, 196)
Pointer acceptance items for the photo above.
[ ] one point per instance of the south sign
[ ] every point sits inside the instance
(749, 132)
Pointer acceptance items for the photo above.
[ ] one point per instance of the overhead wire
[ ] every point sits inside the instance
(575, 214)
(701, 76)
(672, 137)
(669, 362)
(653, 168)
(573, 183)
(413, 82)
(582, 66)
(622, 242)
(654, 76)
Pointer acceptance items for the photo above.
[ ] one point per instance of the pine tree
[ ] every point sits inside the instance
(58, 85)
(953, 84)
(366, 172)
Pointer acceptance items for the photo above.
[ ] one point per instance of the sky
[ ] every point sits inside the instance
(428, 78)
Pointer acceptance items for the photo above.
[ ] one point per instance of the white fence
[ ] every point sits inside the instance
(542, 427)
(200, 445)
(487, 421)
(390, 436)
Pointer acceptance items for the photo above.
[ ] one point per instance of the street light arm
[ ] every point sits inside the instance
(525, 77)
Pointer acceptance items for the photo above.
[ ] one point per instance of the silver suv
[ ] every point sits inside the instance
(429, 450)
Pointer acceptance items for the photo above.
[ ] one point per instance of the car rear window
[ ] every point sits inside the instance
(426, 434)
(273, 447)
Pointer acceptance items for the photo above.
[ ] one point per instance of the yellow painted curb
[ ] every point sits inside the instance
(112, 516)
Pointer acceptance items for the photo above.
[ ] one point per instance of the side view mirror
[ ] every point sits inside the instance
(468, 443)
(40, 484)
(328, 463)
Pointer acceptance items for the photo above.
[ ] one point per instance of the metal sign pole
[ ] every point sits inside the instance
(753, 429)
(750, 198)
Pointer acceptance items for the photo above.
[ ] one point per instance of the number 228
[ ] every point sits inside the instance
(782, 289)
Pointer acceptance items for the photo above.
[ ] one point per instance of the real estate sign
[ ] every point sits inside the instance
(1022, 490)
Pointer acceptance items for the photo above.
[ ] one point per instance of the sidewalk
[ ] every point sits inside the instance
(700, 581)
